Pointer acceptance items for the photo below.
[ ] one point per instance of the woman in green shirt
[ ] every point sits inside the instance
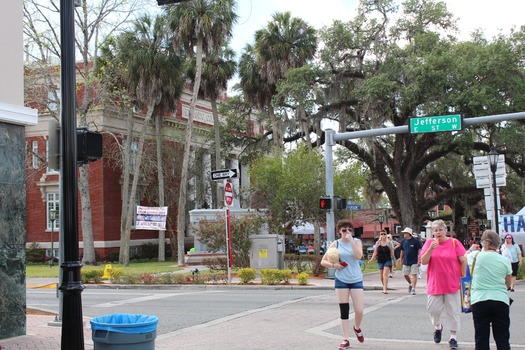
(490, 302)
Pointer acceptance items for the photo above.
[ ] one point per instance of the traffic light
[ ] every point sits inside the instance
(341, 203)
(89, 146)
(325, 203)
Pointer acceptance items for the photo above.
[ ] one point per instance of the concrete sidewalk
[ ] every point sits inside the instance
(40, 335)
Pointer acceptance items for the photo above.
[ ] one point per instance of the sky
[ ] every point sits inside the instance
(488, 15)
(472, 14)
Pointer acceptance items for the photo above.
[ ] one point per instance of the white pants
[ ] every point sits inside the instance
(451, 304)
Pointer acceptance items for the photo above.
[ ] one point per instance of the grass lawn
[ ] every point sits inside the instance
(134, 268)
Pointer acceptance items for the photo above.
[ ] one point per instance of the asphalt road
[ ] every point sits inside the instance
(271, 317)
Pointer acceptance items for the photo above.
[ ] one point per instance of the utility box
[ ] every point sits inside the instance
(267, 251)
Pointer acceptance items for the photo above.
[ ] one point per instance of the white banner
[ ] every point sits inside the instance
(151, 218)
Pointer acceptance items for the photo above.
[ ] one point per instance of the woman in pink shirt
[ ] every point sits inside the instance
(446, 264)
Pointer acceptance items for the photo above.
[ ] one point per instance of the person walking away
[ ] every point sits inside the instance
(384, 252)
(491, 275)
(396, 247)
(512, 252)
(409, 256)
(348, 280)
(446, 264)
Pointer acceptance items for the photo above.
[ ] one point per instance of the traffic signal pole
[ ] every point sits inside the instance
(332, 137)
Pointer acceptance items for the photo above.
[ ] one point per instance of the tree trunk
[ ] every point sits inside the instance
(88, 256)
(218, 162)
(160, 172)
(181, 210)
(126, 235)
(275, 127)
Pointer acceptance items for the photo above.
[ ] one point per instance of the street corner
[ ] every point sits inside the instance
(41, 286)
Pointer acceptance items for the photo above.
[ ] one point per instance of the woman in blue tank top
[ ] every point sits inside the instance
(348, 280)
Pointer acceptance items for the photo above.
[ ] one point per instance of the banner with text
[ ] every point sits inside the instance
(151, 218)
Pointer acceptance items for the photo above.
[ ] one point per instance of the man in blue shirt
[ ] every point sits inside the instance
(409, 257)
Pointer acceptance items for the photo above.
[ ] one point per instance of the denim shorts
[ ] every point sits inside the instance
(381, 266)
(342, 285)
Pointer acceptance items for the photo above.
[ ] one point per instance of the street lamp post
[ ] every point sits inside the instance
(52, 218)
(432, 215)
(483, 226)
(493, 157)
(381, 219)
(464, 222)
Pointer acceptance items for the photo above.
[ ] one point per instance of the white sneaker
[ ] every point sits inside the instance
(413, 291)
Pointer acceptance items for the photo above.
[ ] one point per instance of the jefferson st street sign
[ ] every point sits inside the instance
(436, 124)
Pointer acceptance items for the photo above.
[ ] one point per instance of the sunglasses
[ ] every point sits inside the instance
(508, 237)
(382, 234)
(346, 230)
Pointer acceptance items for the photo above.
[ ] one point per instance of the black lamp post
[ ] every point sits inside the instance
(464, 222)
(432, 215)
(493, 161)
(71, 283)
(52, 218)
(483, 226)
(381, 219)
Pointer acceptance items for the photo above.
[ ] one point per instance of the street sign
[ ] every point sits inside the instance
(353, 206)
(228, 194)
(487, 183)
(436, 124)
(484, 169)
(223, 174)
(485, 159)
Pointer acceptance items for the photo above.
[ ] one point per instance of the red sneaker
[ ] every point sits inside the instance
(344, 345)
(359, 335)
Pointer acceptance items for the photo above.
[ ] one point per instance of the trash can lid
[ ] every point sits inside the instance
(125, 323)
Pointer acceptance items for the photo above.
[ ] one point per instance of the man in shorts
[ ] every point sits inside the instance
(409, 257)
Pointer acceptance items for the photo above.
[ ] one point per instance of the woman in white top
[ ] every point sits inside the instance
(512, 251)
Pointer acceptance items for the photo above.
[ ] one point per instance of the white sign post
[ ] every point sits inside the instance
(228, 201)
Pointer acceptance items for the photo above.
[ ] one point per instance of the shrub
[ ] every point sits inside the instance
(302, 278)
(216, 264)
(270, 276)
(115, 274)
(246, 274)
(148, 278)
(130, 279)
(285, 275)
(91, 276)
(149, 251)
(34, 254)
(216, 278)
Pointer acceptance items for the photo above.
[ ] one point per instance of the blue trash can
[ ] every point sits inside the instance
(124, 332)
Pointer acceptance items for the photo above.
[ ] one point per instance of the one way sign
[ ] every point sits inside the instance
(223, 174)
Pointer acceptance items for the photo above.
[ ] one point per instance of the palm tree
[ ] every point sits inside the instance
(287, 42)
(154, 78)
(216, 71)
(200, 27)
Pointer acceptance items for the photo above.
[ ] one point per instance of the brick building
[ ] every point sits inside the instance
(105, 175)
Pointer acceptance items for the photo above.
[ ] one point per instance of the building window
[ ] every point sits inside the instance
(53, 200)
(34, 149)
